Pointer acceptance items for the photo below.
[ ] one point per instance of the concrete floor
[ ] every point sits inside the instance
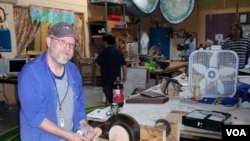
(10, 118)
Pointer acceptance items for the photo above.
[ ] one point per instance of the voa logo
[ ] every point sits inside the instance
(236, 132)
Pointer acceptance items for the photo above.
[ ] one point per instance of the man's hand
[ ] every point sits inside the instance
(91, 130)
(77, 137)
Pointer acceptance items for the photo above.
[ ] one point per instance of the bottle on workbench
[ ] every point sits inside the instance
(196, 87)
(118, 92)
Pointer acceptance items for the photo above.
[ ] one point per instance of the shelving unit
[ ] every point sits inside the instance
(106, 4)
(101, 24)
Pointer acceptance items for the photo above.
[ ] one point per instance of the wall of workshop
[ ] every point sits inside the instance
(196, 22)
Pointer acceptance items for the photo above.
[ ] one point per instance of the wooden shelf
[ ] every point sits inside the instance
(119, 28)
(102, 3)
(96, 36)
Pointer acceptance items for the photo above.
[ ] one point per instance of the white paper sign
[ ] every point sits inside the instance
(218, 37)
(136, 78)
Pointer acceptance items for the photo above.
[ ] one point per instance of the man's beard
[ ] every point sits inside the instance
(59, 60)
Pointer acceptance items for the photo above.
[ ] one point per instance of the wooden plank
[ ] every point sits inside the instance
(148, 133)
(196, 134)
(175, 132)
(172, 68)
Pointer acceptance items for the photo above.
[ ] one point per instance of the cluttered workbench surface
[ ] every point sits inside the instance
(176, 107)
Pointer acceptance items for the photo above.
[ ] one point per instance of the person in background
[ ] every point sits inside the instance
(111, 62)
(237, 43)
(189, 41)
(50, 91)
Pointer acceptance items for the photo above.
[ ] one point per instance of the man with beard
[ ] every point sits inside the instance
(50, 91)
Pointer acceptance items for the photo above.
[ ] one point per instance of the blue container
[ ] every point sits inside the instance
(5, 42)
(160, 36)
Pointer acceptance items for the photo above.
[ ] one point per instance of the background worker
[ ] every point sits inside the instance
(111, 62)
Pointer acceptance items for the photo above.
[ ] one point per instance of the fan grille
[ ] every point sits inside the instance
(216, 71)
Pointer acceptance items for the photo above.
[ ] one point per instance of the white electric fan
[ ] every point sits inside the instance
(216, 72)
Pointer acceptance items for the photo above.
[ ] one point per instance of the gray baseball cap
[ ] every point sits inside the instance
(63, 29)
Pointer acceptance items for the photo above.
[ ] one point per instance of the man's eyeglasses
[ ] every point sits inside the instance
(65, 43)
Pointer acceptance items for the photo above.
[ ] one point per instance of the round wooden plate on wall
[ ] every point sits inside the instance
(140, 7)
(176, 11)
